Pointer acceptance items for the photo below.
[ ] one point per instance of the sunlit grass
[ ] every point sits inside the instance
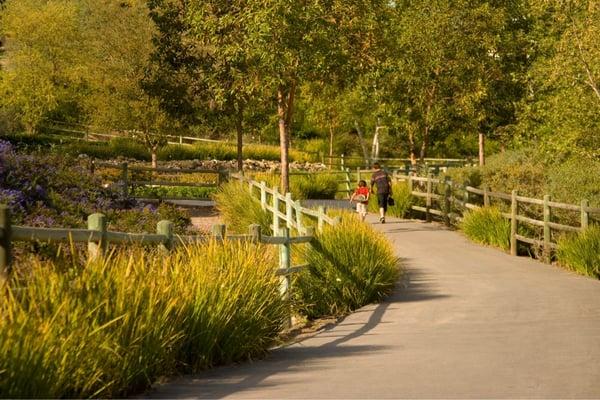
(581, 252)
(112, 327)
(487, 226)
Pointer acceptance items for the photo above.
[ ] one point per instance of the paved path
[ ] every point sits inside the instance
(466, 322)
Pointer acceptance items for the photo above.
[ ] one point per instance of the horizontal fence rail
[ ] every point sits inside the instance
(443, 203)
(128, 184)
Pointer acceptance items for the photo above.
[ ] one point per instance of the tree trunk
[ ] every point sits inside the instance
(240, 138)
(283, 113)
(481, 149)
(330, 146)
(363, 145)
(424, 144)
(411, 145)
(154, 156)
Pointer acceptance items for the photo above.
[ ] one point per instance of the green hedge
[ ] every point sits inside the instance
(487, 226)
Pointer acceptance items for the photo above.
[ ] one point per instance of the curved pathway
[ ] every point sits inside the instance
(465, 322)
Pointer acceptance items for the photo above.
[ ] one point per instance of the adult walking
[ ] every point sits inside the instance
(381, 180)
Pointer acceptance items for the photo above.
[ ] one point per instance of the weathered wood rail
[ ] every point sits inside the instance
(443, 203)
(128, 184)
(285, 210)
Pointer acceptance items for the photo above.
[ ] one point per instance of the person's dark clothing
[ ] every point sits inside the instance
(382, 200)
(381, 179)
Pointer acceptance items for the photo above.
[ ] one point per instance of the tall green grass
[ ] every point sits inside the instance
(351, 265)
(581, 252)
(402, 198)
(111, 328)
(486, 225)
(313, 186)
(239, 208)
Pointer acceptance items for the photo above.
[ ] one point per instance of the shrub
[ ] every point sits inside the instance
(402, 198)
(314, 186)
(240, 209)
(129, 148)
(516, 170)
(350, 265)
(581, 252)
(487, 226)
(109, 329)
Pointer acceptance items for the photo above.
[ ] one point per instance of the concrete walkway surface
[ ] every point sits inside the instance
(465, 322)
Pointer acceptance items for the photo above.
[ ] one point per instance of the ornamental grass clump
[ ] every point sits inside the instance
(486, 225)
(350, 265)
(581, 252)
(240, 209)
(403, 201)
(111, 327)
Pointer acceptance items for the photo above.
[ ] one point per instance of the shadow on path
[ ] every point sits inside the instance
(284, 362)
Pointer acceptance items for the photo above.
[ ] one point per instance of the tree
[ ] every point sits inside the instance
(445, 61)
(41, 74)
(561, 113)
(243, 47)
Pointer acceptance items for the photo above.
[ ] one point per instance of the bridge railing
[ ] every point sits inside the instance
(441, 196)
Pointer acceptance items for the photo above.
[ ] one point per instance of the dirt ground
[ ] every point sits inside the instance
(203, 218)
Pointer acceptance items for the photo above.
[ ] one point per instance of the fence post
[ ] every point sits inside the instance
(585, 215)
(447, 196)
(289, 216)
(357, 175)
(466, 197)
(223, 176)
(284, 265)
(547, 232)
(275, 210)
(342, 163)
(486, 196)
(125, 179)
(428, 198)
(218, 231)
(165, 228)
(263, 195)
(5, 244)
(410, 184)
(320, 218)
(514, 210)
(180, 139)
(97, 222)
(92, 166)
(255, 233)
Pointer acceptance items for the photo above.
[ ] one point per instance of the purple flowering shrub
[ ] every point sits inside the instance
(55, 191)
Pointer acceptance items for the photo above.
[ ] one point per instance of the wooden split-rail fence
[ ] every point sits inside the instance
(446, 200)
(128, 183)
(98, 238)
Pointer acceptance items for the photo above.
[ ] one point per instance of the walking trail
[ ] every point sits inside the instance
(464, 322)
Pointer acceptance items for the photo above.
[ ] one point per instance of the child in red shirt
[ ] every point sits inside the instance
(361, 196)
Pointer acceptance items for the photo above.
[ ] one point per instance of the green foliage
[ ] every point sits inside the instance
(487, 226)
(314, 186)
(465, 176)
(240, 209)
(166, 192)
(110, 327)
(351, 265)
(581, 252)
(403, 201)
(516, 170)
